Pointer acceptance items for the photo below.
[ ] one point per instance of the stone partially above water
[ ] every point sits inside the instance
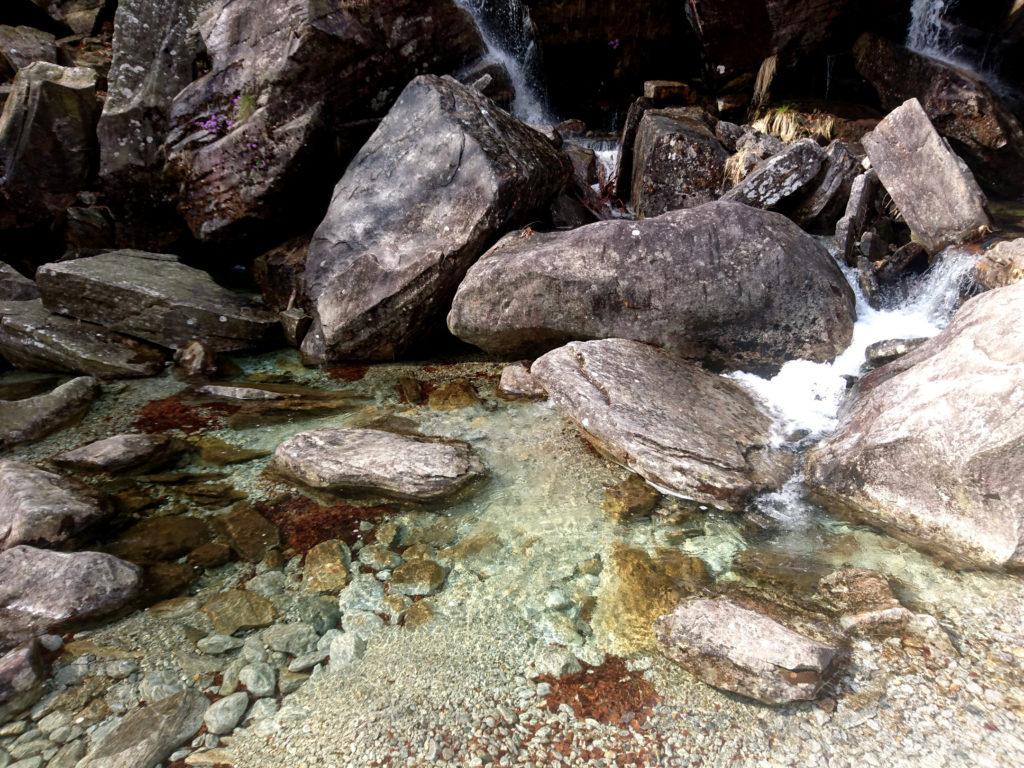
(370, 460)
(687, 432)
(743, 651)
(122, 453)
(155, 297)
(43, 509)
(23, 421)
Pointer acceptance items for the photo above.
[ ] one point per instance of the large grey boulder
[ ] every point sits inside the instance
(14, 286)
(442, 177)
(378, 462)
(22, 421)
(685, 431)
(929, 451)
(780, 178)
(35, 339)
(20, 46)
(934, 189)
(293, 90)
(677, 162)
(44, 509)
(44, 592)
(155, 297)
(726, 283)
(47, 141)
(148, 735)
(122, 453)
(744, 651)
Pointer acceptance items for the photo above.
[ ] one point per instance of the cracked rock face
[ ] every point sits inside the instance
(929, 449)
(446, 172)
(684, 430)
(743, 651)
(379, 462)
(725, 283)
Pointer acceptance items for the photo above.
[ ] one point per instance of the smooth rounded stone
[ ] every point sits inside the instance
(15, 287)
(148, 735)
(517, 383)
(293, 639)
(734, 286)
(33, 338)
(929, 449)
(934, 190)
(687, 432)
(364, 593)
(43, 591)
(68, 755)
(397, 466)
(417, 578)
(326, 567)
(121, 453)
(223, 716)
(444, 174)
(41, 508)
(215, 645)
(260, 679)
(22, 421)
(1001, 265)
(237, 609)
(378, 557)
(780, 178)
(884, 352)
(22, 675)
(746, 652)
(346, 650)
(181, 303)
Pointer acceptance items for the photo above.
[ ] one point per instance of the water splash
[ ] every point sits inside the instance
(507, 31)
(929, 33)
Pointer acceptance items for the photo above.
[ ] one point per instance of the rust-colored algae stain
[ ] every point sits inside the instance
(609, 693)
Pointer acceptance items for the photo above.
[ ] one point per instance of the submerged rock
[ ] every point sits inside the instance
(398, 466)
(46, 592)
(155, 297)
(35, 339)
(446, 172)
(326, 567)
(21, 680)
(22, 421)
(725, 283)
(44, 509)
(237, 609)
(934, 189)
(122, 453)
(686, 431)
(781, 177)
(929, 450)
(746, 652)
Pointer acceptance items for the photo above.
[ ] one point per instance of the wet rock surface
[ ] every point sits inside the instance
(123, 452)
(23, 421)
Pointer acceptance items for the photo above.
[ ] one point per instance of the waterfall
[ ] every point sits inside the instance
(508, 34)
(928, 34)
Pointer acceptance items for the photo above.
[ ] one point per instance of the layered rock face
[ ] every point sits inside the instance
(685, 431)
(263, 135)
(929, 451)
(442, 177)
(737, 287)
(933, 188)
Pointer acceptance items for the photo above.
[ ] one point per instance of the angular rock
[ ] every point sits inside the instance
(934, 190)
(293, 90)
(47, 141)
(929, 451)
(780, 178)
(80, 15)
(43, 509)
(22, 421)
(47, 592)
(1001, 266)
(687, 432)
(825, 201)
(518, 383)
(746, 652)
(458, 173)
(224, 715)
(34, 339)
(677, 162)
(325, 568)
(850, 228)
(21, 46)
(122, 453)
(154, 297)
(22, 674)
(14, 286)
(398, 466)
(250, 534)
(726, 283)
(751, 148)
(147, 736)
(236, 609)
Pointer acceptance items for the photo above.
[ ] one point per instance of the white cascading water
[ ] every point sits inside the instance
(928, 34)
(508, 34)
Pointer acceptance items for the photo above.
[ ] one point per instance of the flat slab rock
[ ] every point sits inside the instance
(121, 453)
(43, 591)
(743, 651)
(42, 508)
(14, 286)
(398, 466)
(929, 450)
(687, 432)
(155, 297)
(22, 421)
